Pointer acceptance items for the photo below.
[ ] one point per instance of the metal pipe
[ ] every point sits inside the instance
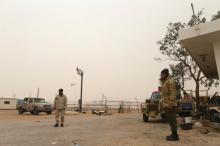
(80, 108)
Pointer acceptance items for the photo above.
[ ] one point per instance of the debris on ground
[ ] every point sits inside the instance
(197, 125)
(204, 130)
(98, 112)
(206, 123)
(75, 143)
(148, 134)
(54, 143)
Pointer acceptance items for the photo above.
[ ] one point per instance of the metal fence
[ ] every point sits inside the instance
(108, 105)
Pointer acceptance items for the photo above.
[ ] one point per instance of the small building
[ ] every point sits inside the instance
(8, 103)
(203, 43)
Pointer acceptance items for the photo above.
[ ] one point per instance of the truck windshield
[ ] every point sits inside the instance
(20, 101)
(156, 96)
(215, 100)
(218, 101)
(39, 100)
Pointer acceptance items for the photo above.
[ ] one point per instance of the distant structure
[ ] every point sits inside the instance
(8, 103)
(203, 43)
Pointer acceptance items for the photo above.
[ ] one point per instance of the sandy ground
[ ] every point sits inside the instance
(91, 130)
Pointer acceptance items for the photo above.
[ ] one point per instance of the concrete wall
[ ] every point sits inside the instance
(8, 103)
(200, 30)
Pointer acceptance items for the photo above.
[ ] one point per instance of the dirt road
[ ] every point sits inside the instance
(91, 130)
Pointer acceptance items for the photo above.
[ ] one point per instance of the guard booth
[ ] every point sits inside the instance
(203, 43)
(8, 103)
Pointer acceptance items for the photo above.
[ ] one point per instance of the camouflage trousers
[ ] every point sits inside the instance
(58, 113)
(171, 118)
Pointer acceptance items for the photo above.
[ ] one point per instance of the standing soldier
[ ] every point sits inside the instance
(168, 94)
(60, 103)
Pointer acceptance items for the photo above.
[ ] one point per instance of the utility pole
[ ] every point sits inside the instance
(81, 73)
(193, 9)
(38, 90)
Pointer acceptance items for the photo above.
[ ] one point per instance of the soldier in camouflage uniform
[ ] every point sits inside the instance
(168, 94)
(60, 104)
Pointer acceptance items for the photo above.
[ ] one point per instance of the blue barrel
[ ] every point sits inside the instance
(187, 106)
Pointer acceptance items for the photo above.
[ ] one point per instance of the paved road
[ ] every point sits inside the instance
(92, 130)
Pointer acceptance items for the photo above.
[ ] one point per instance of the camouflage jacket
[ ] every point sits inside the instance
(168, 93)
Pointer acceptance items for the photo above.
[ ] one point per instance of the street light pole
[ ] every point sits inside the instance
(81, 93)
(80, 72)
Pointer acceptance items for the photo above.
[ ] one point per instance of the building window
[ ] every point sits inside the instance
(6, 102)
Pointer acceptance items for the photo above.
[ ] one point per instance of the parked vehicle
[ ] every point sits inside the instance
(35, 106)
(212, 109)
(153, 107)
(20, 102)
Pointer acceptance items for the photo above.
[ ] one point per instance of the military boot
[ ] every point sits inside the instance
(173, 137)
(169, 136)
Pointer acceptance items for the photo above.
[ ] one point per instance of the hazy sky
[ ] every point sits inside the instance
(113, 41)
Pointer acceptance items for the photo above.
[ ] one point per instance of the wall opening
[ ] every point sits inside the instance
(6, 102)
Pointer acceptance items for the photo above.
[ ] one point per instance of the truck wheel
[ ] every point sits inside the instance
(163, 116)
(35, 111)
(145, 118)
(212, 116)
(20, 110)
(49, 112)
